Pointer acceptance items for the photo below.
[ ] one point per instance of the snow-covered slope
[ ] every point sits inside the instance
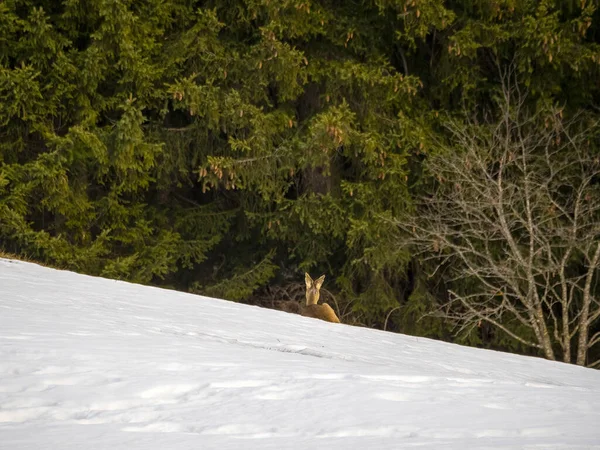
(93, 363)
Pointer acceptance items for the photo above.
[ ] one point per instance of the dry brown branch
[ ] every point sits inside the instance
(515, 218)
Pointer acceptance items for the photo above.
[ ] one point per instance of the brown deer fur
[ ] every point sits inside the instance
(312, 309)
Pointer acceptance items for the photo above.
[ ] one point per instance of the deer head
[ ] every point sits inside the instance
(313, 288)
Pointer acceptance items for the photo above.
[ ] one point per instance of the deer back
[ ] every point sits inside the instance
(323, 312)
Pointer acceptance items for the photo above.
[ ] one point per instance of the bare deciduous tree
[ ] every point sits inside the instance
(514, 218)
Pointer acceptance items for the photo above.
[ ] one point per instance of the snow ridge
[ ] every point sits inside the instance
(93, 363)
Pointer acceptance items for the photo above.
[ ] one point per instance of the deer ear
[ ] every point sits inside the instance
(308, 280)
(319, 282)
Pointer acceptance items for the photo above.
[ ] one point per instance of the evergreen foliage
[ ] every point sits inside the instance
(222, 146)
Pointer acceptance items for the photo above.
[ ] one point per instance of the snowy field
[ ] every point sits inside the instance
(89, 363)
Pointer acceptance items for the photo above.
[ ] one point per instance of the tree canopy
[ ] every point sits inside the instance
(226, 146)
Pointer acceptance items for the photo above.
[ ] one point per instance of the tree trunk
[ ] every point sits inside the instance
(582, 345)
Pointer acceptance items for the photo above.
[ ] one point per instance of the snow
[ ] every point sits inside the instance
(93, 363)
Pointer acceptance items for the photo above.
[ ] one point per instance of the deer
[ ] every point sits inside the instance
(312, 309)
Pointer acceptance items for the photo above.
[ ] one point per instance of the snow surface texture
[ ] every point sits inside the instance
(93, 363)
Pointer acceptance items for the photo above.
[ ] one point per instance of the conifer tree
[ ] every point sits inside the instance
(224, 146)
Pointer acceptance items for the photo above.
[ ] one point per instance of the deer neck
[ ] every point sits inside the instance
(312, 297)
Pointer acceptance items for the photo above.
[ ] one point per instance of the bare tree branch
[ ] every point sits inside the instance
(514, 220)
